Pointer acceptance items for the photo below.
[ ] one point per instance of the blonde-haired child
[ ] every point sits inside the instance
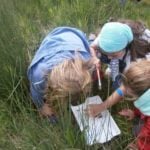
(137, 84)
(62, 63)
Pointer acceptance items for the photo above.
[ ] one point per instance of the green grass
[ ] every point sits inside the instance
(23, 24)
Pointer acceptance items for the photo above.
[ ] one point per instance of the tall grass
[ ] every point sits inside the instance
(23, 24)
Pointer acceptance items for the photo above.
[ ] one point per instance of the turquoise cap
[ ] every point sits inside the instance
(114, 37)
(143, 103)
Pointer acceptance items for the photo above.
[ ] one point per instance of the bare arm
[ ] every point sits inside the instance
(94, 47)
(114, 98)
(93, 50)
(96, 109)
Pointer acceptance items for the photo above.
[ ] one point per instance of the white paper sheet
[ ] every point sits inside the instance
(99, 129)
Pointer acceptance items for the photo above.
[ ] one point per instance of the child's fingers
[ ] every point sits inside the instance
(124, 112)
(96, 62)
(90, 111)
(127, 113)
(132, 146)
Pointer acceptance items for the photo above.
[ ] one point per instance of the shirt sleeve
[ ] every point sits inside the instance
(37, 93)
(144, 136)
(38, 79)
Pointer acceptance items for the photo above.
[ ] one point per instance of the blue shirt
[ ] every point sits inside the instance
(60, 44)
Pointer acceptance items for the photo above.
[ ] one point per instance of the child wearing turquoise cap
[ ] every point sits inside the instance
(120, 43)
(118, 54)
(138, 47)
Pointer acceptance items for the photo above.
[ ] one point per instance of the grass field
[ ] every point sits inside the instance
(23, 24)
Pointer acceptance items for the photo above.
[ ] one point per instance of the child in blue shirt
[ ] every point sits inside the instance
(62, 64)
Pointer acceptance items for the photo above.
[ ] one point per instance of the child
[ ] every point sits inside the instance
(95, 109)
(120, 43)
(61, 65)
(137, 84)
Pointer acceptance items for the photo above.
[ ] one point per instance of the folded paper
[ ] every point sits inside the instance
(100, 129)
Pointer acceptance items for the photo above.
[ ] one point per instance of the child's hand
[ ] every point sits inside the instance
(46, 110)
(95, 59)
(96, 62)
(132, 146)
(93, 110)
(127, 113)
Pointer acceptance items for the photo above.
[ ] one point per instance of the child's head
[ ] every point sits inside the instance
(114, 37)
(138, 83)
(70, 77)
(138, 47)
(137, 77)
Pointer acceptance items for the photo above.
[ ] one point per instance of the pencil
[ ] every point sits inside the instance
(99, 79)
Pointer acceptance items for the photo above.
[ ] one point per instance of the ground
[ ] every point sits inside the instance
(23, 25)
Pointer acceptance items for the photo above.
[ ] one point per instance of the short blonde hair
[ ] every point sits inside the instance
(70, 77)
(138, 77)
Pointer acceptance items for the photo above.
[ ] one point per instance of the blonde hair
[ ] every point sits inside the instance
(70, 77)
(138, 77)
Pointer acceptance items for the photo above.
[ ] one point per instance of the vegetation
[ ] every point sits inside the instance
(23, 24)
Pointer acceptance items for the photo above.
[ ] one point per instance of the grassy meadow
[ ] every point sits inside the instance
(23, 24)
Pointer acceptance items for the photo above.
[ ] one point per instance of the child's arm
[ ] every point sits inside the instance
(37, 88)
(93, 50)
(93, 54)
(37, 97)
(94, 46)
(95, 109)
